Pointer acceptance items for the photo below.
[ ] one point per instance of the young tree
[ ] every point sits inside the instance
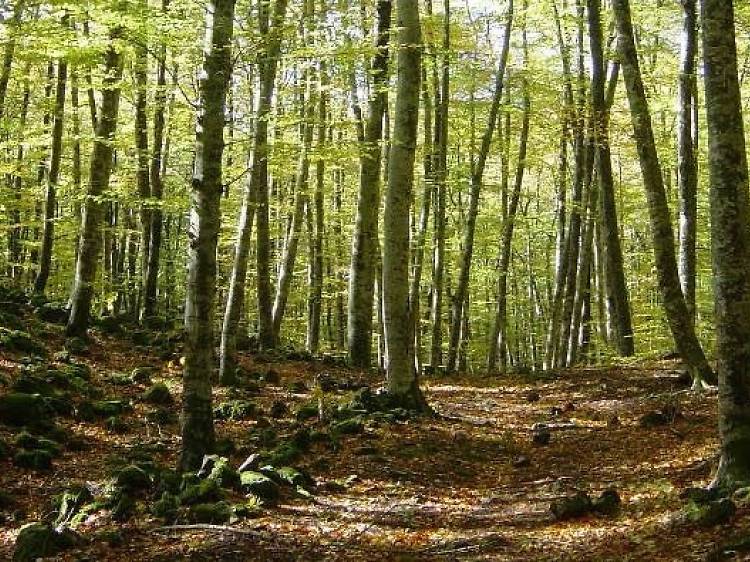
(205, 220)
(99, 175)
(365, 238)
(730, 240)
(678, 316)
(403, 382)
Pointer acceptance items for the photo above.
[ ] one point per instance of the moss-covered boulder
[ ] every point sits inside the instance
(158, 394)
(608, 503)
(293, 477)
(259, 485)
(40, 540)
(133, 479)
(76, 346)
(36, 459)
(26, 440)
(710, 513)
(142, 375)
(20, 408)
(124, 507)
(218, 468)
(211, 513)
(352, 426)
(235, 410)
(79, 370)
(571, 507)
(20, 341)
(166, 507)
(88, 411)
(71, 502)
(205, 491)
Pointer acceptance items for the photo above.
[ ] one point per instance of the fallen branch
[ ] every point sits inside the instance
(207, 527)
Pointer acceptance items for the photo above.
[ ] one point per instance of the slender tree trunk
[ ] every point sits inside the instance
(8, 54)
(678, 316)
(686, 159)
(476, 183)
(255, 199)
(205, 220)
(151, 287)
(15, 248)
(730, 240)
(99, 174)
(616, 288)
(365, 239)
(402, 378)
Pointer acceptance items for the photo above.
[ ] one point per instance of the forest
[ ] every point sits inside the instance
(374, 280)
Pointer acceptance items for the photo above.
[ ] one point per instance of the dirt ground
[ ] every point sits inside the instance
(450, 487)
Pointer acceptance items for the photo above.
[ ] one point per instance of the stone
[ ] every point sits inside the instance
(71, 502)
(166, 507)
(540, 434)
(133, 479)
(571, 507)
(260, 486)
(20, 341)
(293, 477)
(608, 503)
(37, 459)
(40, 540)
(205, 491)
(124, 507)
(252, 462)
(210, 513)
(158, 394)
(218, 468)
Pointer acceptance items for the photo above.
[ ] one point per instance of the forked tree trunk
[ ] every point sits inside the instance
(197, 426)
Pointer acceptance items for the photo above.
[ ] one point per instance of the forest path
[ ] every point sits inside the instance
(468, 484)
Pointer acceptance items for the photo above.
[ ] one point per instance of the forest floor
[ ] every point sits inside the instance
(450, 487)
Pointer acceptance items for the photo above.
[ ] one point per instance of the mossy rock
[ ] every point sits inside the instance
(161, 416)
(40, 540)
(253, 507)
(608, 503)
(124, 508)
(711, 513)
(19, 408)
(306, 411)
(36, 459)
(285, 453)
(115, 424)
(26, 440)
(217, 468)
(293, 477)
(211, 513)
(20, 341)
(104, 408)
(76, 346)
(71, 502)
(158, 394)
(206, 491)
(352, 426)
(132, 479)
(54, 313)
(235, 410)
(166, 507)
(110, 324)
(142, 375)
(259, 485)
(80, 370)
(571, 507)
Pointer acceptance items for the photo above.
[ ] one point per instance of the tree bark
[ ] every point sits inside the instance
(678, 316)
(205, 219)
(730, 240)
(99, 174)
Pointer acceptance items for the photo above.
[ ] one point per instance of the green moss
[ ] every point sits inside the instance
(259, 485)
(36, 459)
(158, 394)
(211, 513)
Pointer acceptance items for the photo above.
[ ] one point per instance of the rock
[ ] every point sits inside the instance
(259, 485)
(123, 508)
(352, 426)
(52, 313)
(20, 341)
(711, 513)
(37, 459)
(166, 507)
(279, 409)
(26, 440)
(89, 411)
(251, 463)
(571, 507)
(235, 410)
(18, 408)
(653, 419)
(521, 461)
(142, 375)
(206, 491)
(72, 500)
(158, 394)
(540, 434)
(532, 396)
(218, 468)
(294, 477)
(608, 503)
(40, 540)
(210, 513)
(133, 479)
(271, 377)
(76, 346)
(297, 387)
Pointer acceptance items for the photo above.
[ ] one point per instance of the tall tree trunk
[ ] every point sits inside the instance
(686, 159)
(678, 316)
(365, 238)
(477, 176)
(614, 274)
(255, 199)
(15, 246)
(150, 289)
(730, 240)
(99, 174)
(205, 220)
(402, 378)
(8, 54)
